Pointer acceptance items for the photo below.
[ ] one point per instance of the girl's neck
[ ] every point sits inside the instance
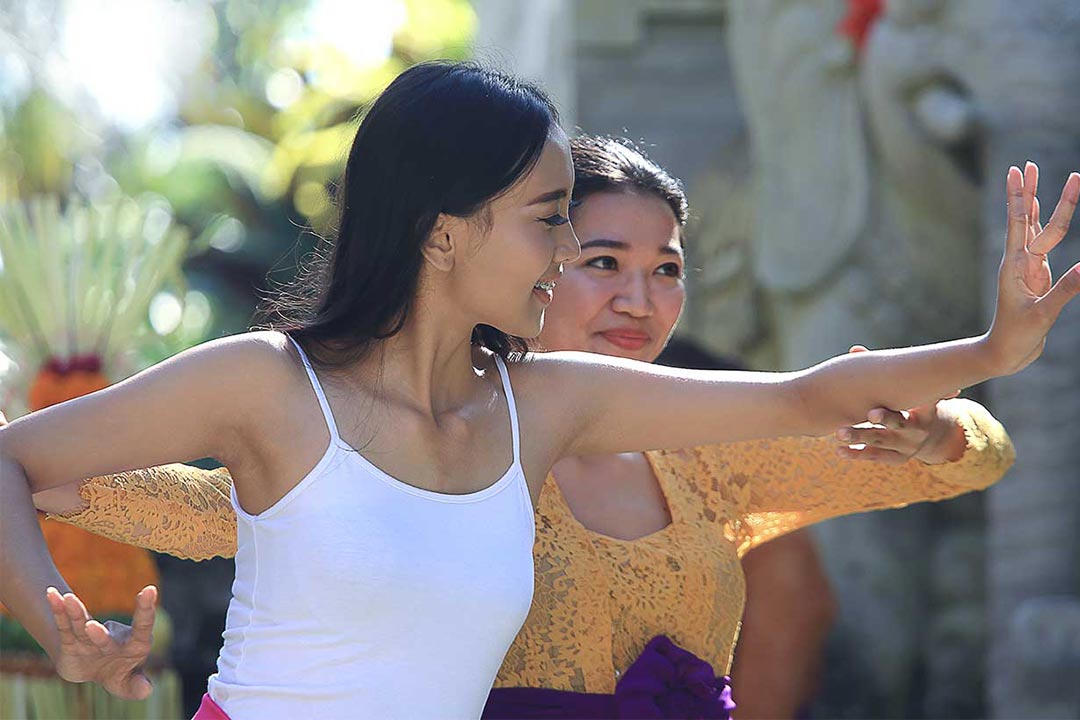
(430, 365)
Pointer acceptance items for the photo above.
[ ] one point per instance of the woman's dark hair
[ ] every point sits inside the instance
(606, 164)
(443, 137)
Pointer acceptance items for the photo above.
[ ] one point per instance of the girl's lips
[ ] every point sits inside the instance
(544, 296)
(627, 340)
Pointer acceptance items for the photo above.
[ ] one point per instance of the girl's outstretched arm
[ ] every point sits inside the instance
(605, 404)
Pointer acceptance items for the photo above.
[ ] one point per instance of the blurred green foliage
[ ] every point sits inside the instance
(256, 133)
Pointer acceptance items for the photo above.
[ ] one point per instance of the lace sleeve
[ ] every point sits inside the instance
(174, 509)
(782, 485)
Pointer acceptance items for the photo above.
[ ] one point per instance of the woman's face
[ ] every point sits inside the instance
(625, 293)
(507, 277)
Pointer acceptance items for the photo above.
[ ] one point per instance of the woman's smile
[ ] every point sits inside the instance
(630, 339)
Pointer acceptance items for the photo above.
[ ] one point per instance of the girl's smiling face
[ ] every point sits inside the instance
(515, 253)
(625, 294)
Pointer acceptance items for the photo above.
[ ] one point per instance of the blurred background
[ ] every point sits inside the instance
(845, 163)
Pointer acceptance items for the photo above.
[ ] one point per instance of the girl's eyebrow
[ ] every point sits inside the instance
(548, 197)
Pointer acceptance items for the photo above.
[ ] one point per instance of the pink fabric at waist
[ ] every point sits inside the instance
(209, 710)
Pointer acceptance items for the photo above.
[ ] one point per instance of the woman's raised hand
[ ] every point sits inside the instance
(1029, 301)
(110, 654)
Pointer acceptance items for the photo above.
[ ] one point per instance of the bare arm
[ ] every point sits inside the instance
(619, 405)
(198, 404)
(606, 405)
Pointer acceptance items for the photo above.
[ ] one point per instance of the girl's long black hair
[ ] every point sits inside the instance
(443, 137)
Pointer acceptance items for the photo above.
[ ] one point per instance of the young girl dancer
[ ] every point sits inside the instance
(384, 562)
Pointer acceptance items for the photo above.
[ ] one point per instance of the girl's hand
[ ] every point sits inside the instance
(1028, 301)
(925, 433)
(112, 654)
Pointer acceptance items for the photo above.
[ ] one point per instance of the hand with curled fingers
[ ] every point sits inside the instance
(927, 433)
(111, 654)
(1028, 299)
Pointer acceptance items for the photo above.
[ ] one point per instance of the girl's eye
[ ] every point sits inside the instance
(603, 262)
(554, 220)
(671, 270)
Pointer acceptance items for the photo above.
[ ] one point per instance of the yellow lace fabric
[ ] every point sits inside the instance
(599, 600)
(173, 509)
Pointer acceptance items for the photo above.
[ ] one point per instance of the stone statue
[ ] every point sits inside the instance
(880, 134)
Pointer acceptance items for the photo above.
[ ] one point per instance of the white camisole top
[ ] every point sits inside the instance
(361, 596)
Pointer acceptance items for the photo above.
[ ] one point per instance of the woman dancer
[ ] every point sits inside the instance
(439, 245)
(608, 525)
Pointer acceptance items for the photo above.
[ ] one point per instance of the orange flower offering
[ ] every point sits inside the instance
(60, 380)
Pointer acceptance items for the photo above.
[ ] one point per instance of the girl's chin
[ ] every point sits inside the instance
(529, 328)
(527, 325)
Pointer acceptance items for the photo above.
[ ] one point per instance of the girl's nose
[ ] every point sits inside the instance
(568, 248)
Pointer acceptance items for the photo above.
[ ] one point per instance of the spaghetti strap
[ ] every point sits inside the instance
(328, 414)
(512, 406)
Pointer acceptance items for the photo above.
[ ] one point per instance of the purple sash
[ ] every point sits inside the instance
(664, 682)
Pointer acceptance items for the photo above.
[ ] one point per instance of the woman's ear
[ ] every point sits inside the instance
(440, 245)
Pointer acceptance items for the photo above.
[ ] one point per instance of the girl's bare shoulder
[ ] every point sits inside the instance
(265, 370)
(261, 360)
(545, 374)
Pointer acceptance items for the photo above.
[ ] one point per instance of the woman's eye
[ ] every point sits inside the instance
(671, 270)
(554, 220)
(603, 262)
